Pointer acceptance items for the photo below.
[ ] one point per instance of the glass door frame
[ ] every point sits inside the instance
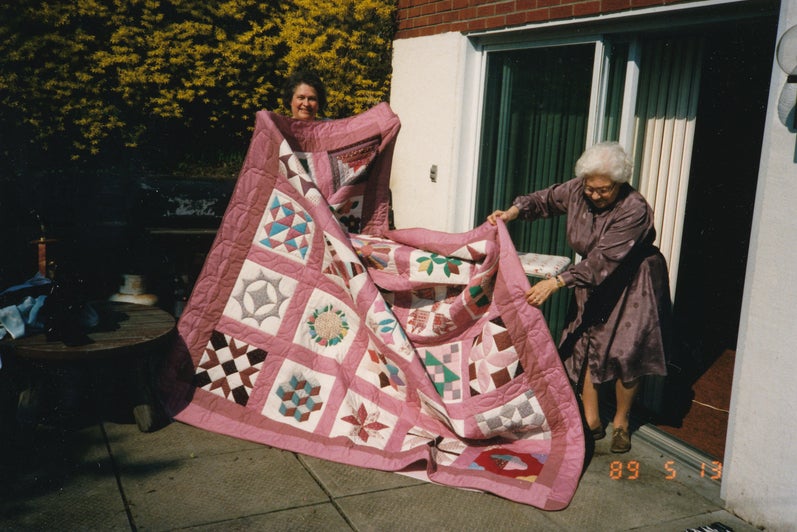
(470, 136)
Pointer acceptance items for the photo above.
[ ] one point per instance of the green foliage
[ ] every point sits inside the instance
(156, 84)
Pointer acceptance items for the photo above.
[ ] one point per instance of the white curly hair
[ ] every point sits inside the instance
(605, 158)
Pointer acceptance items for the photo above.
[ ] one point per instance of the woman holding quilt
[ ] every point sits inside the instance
(619, 330)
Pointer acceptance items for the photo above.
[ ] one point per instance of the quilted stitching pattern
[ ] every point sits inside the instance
(315, 329)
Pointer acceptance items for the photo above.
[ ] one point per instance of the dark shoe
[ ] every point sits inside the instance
(598, 433)
(621, 441)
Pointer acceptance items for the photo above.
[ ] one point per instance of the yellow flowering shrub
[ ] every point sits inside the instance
(156, 82)
(348, 42)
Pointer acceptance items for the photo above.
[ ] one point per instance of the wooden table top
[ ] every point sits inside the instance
(124, 329)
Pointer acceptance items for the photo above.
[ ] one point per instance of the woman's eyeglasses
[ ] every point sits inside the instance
(600, 191)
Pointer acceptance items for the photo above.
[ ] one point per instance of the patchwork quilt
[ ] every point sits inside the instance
(316, 329)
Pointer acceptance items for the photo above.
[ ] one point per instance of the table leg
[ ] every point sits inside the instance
(56, 396)
(13, 383)
(28, 406)
(29, 400)
(146, 410)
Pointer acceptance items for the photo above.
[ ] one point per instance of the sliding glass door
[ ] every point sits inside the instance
(534, 129)
(544, 105)
(693, 125)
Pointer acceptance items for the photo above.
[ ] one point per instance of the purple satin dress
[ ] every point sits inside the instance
(622, 316)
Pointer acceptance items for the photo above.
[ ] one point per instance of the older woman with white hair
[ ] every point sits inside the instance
(619, 328)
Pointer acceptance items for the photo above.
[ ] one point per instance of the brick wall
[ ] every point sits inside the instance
(417, 18)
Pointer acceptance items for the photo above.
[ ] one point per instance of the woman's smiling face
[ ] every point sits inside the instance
(601, 190)
(304, 104)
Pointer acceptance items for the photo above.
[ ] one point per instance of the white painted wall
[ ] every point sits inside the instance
(760, 473)
(428, 89)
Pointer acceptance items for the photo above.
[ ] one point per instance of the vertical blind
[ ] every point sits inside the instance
(664, 124)
(669, 82)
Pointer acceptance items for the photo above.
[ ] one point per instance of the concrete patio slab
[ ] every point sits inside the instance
(111, 476)
(342, 480)
(57, 477)
(432, 507)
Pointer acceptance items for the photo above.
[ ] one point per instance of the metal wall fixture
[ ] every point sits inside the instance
(787, 60)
